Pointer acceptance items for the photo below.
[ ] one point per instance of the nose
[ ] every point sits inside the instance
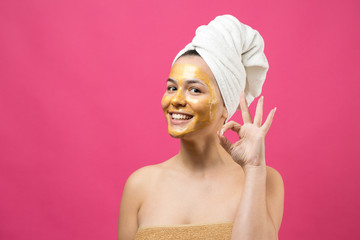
(179, 99)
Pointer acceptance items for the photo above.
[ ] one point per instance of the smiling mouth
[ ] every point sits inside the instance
(180, 116)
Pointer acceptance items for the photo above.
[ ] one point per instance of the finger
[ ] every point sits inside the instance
(268, 120)
(259, 112)
(225, 143)
(244, 109)
(231, 125)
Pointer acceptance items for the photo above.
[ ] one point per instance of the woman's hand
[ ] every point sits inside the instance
(250, 149)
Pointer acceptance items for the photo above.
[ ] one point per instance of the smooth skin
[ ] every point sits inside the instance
(210, 180)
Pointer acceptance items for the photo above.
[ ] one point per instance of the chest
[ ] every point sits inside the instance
(177, 201)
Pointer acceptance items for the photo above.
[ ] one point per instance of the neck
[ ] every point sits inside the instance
(202, 154)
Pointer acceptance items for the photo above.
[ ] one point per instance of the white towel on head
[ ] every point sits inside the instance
(235, 54)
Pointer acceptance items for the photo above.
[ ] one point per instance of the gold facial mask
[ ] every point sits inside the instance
(189, 79)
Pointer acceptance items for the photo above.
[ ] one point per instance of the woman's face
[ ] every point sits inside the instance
(192, 100)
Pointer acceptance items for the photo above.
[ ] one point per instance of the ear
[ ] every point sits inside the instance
(224, 113)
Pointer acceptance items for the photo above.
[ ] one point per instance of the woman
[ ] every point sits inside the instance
(212, 189)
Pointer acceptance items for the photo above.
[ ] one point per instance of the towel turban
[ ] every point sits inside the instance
(235, 54)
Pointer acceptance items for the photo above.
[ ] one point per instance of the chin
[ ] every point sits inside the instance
(175, 135)
(179, 134)
(188, 135)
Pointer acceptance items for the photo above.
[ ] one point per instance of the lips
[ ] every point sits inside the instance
(180, 117)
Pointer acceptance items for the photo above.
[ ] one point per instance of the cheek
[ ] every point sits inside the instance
(165, 101)
(202, 107)
(214, 103)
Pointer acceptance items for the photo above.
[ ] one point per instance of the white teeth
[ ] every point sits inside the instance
(177, 116)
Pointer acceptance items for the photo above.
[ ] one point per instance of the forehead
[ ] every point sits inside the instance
(181, 72)
(190, 67)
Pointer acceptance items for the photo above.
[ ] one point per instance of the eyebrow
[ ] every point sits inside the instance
(190, 81)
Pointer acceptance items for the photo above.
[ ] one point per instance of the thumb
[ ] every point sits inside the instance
(225, 143)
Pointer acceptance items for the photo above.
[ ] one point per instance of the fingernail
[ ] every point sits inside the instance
(274, 109)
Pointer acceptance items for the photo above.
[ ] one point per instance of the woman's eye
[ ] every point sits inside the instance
(171, 88)
(195, 90)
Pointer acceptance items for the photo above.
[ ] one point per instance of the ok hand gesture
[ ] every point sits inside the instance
(249, 150)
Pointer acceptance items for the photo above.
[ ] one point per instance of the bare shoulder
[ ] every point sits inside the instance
(275, 195)
(136, 188)
(274, 183)
(273, 176)
(142, 179)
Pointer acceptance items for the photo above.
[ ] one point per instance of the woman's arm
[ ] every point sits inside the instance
(129, 206)
(261, 205)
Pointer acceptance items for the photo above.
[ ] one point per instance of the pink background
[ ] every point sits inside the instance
(80, 89)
